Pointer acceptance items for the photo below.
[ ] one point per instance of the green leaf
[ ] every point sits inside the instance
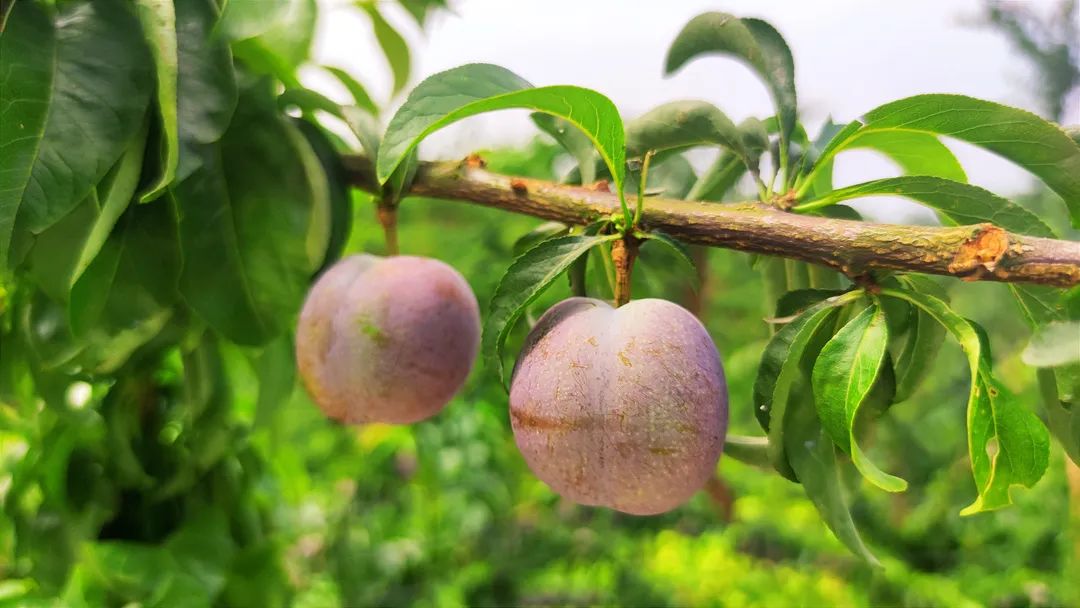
(275, 367)
(670, 177)
(309, 102)
(683, 124)
(356, 90)
(52, 260)
(206, 81)
(1054, 344)
(419, 9)
(393, 46)
(476, 88)
(813, 458)
(796, 301)
(27, 56)
(717, 179)
(366, 128)
(957, 202)
(916, 152)
(1039, 146)
(748, 450)
(523, 282)
(685, 261)
(755, 140)
(1062, 413)
(845, 371)
(921, 345)
(56, 79)
(543, 232)
(780, 370)
(115, 192)
(158, 19)
(340, 197)
(1020, 453)
(753, 41)
(241, 20)
(576, 143)
(124, 285)
(1038, 303)
(62, 251)
(204, 549)
(284, 44)
(253, 225)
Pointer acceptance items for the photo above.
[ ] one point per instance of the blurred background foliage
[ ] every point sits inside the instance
(197, 472)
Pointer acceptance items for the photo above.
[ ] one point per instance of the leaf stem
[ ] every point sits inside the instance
(763, 190)
(748, 450)
(784, 162)
(623, 253)
(642, 183)
(387, 215)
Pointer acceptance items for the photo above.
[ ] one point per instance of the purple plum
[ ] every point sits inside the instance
(387, 339)
(624, 407)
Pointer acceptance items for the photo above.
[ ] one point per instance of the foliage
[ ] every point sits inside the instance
(154, 252)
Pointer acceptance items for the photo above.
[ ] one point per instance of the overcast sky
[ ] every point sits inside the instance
(850, 56)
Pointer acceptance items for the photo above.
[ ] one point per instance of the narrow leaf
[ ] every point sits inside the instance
(845, 371)
(957, 202)
(393, 46)
(99, 54)
(523, 282)
(747, 450)
(719, 178)
(780, 370)
(685, 261)
(576, 143)
(356, 90)
(916, 153)
(309, 102)
(1021, 453)
(473, 89)
(366, 128)
(206, 81)
(27, 59)
(753, 41)
(123, 285)
(241, 20)
(543, 232)
(338, 192)
(246, 269)
(813, 458)
(1039, 146)
(284, 42)
(158, 19)
(682, 124)
(62, 251)
(924, 338)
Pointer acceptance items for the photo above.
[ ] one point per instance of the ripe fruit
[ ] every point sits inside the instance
(624, 408)
(387, 339)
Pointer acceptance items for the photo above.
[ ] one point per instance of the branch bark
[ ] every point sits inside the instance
(975, 252)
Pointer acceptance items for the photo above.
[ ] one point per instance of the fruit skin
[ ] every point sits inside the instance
(387, 339)
(624, 408)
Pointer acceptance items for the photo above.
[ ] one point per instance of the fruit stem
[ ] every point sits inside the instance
(387, 215)
(623, 253)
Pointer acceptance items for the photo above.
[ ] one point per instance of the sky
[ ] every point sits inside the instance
(850, 56)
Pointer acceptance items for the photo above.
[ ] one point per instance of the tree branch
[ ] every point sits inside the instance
(975, 252)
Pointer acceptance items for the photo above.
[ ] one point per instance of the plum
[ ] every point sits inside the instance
(624, 407)
(387, 339)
